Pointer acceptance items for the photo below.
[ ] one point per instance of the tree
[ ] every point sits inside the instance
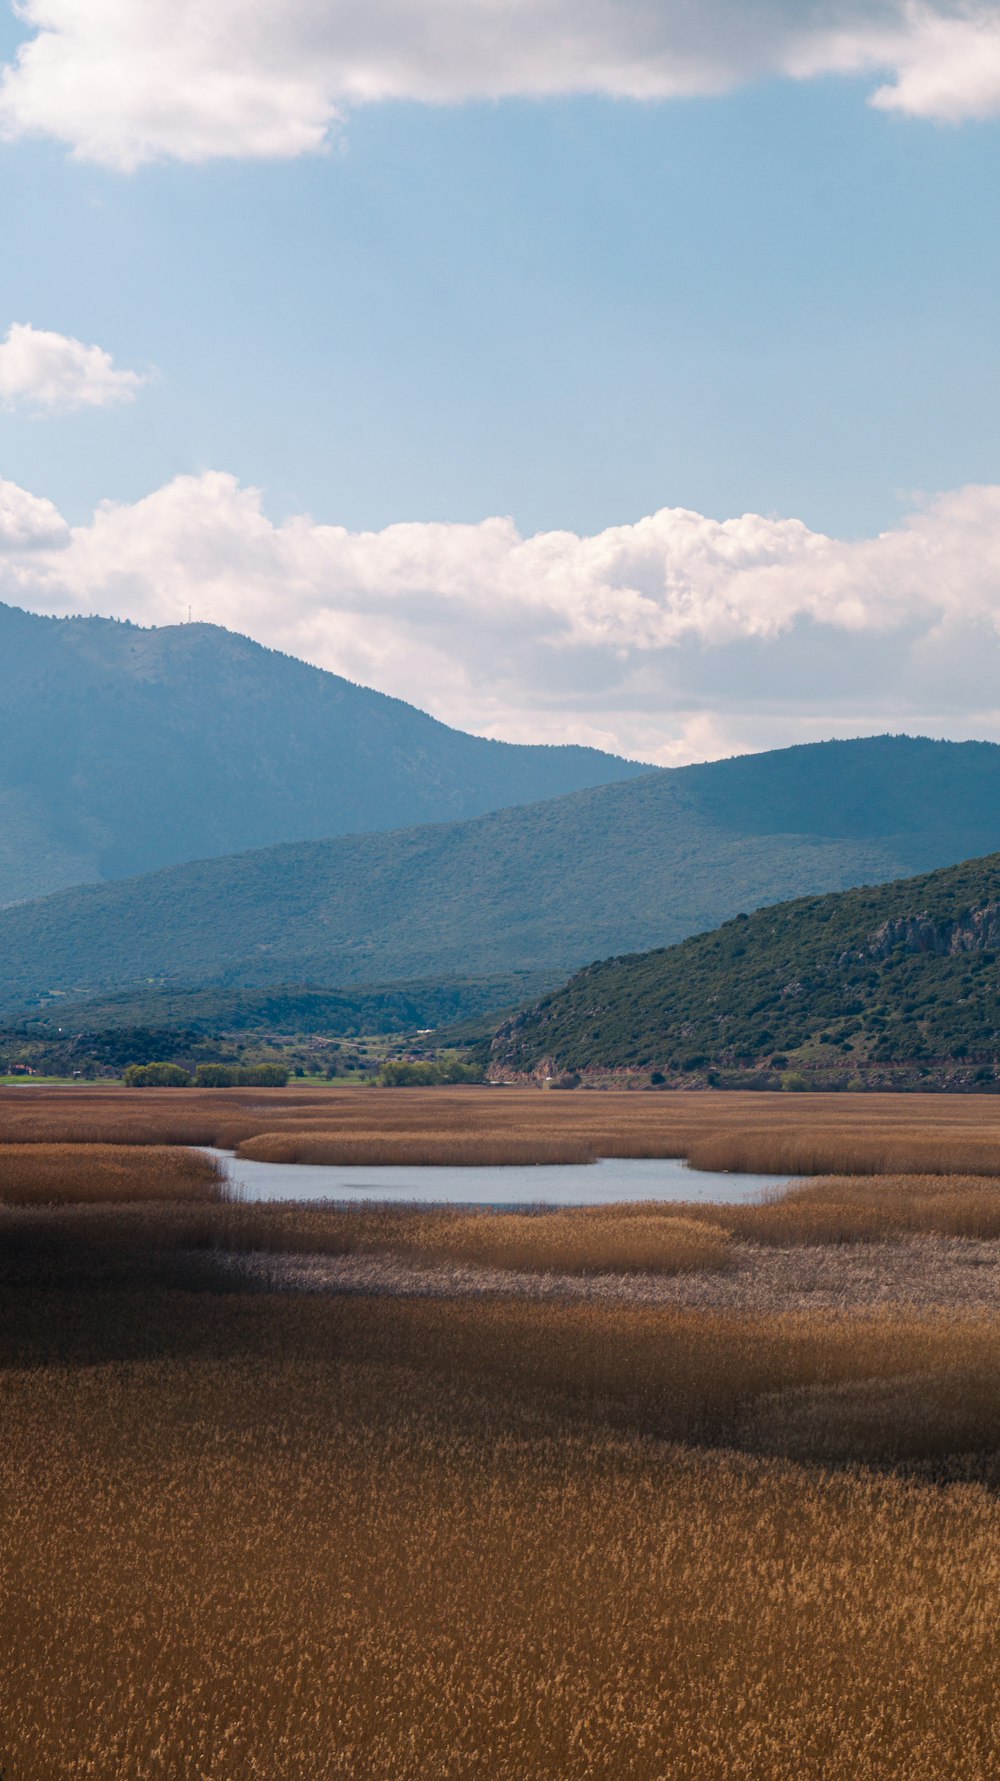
(157, 1076)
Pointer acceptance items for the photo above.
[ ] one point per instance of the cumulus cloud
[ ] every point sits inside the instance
(28, 522)
(676, 638)
(127, 81)
(46, 372)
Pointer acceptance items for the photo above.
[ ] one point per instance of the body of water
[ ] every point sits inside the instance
(550, 1184)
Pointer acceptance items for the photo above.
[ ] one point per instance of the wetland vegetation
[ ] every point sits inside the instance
(745, 1532)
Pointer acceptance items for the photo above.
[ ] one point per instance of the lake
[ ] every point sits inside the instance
(550, 1184)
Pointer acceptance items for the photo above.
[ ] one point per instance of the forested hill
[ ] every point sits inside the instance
(541, 888)
(873, 986)
(123, 749)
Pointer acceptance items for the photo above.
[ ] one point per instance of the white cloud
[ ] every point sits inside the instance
(127, 81)
(27, 522)
(45, 372)
(676, 638)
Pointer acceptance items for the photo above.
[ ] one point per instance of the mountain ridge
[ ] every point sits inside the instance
(541, 888)
(127, 748)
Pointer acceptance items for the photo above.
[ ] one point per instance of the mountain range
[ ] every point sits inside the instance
(542, 888)
(124, 749)
(849, 989)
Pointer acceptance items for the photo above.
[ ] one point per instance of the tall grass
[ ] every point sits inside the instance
(307, 1538)
(918, 1149)
(843, 1209)
(829, 1210)
(459, 1149)
(863, 1209)
(67, 1174)
(565, 1243)
(766, 1133)
(737, 1131)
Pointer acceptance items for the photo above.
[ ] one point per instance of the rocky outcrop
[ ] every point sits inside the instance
(977, 930)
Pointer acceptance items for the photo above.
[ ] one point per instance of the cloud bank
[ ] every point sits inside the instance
(676, 638)
(45, 373)
(122, 82)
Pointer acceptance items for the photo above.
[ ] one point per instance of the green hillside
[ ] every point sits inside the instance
(874, 985)
(541, 888)
(124, 749)
(292, 1008)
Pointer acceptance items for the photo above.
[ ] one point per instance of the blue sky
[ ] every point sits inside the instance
(575, 310)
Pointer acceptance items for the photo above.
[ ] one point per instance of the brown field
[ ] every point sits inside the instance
(599, 1509)
(787, 1134)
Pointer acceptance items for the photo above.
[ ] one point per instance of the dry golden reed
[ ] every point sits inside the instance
(856, 1209)
(566, 1243)
(841, 1149)
(632, 1235)
(769, 1133)
(846, 1209)
(350, 1541)
(473, 1150)
(66, 1174)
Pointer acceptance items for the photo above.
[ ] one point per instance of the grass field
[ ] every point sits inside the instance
(249, 1533)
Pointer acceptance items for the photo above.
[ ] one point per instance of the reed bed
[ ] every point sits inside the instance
(294, 1537)
(547, 1242)
(564, 1243)
(914, 1275)
(765, 1133)
(864, 1209)
(472, 1150)
(829, 1210)
(68, 1174)
(842, 1209)
(839, 1150)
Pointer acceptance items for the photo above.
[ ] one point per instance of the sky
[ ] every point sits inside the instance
(612, 371)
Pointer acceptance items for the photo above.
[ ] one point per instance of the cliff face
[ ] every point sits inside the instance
(976, 931)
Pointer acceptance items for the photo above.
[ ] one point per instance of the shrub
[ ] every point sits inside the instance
(397, 1074)
(400, 1075)
(157, 1076)
(240, 1076)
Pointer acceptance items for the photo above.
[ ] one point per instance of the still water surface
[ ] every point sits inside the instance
(550, 1184)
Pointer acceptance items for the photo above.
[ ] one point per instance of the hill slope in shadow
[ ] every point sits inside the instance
(124, 749)
(541, 888)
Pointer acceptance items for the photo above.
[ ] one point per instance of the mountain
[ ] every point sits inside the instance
(871, 986)
(123, 749)
(542, 888)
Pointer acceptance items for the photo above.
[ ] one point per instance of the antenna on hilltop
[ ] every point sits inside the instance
(189, 615)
